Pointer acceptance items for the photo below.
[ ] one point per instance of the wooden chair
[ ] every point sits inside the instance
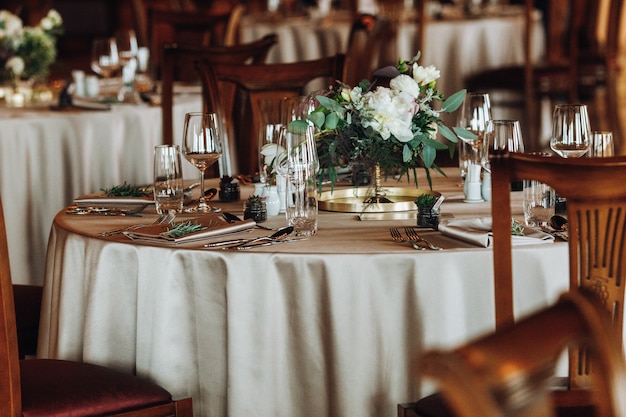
(176, 55)
(27, 302)
(367, 37)
(184, 27)
(553, 78)
(235, 91)
(46, 387)
(509, 372)
(596, 211)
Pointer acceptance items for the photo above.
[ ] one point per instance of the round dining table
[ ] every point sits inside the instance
(329, 326)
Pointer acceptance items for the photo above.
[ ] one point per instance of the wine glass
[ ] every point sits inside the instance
(602, 145)
(127, 49)
(503, 136)
(571, 134)
(104, 57)
(202, 146)
(474, 115)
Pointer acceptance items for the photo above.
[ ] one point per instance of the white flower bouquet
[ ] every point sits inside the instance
(393, 127)
(27, 52)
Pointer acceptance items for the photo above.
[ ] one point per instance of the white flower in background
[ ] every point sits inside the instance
(270, 152)
(425, 75)
(27, 52)
(15, 64)
(10, 25)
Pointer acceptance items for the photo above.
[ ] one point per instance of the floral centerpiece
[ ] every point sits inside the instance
(26, 52)
(394, 128)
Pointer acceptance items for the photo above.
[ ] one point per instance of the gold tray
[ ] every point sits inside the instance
(351, 200)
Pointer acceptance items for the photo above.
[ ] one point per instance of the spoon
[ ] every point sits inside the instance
(231, 218)
(279, 234)
(558, 223)
(276, 236)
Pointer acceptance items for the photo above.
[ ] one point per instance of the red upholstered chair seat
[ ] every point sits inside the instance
(61, 388)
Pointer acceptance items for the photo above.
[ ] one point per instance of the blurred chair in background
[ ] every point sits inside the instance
(176, 56)
(368, 36)
(235, 91)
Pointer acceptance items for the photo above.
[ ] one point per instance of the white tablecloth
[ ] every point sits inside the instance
(49, 157)
(458, 47)
(324, 327)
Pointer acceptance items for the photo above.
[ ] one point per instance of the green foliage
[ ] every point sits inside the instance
(182, 229)
(126, 190)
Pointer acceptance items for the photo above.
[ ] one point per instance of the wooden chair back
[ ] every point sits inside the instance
(236, 90)
(365, 42)
(494, 376)
(219, 28)
(10, 388)
(596, 212)
(176, 55)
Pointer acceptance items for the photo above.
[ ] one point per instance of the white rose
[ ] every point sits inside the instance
(15, 64)
(406, 84)
(46, 23)
(424, 76)
(390, 113)
(55, 17)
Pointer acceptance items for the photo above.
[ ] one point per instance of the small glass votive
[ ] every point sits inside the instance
(601, 145)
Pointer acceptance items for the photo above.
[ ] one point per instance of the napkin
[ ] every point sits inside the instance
(478, 231)
(211, 226)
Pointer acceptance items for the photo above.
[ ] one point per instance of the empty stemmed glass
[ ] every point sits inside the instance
(473, 116)
(571, 134)
(202, 146)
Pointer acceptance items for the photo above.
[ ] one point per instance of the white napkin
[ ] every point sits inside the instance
(478, 231)
(212, 226)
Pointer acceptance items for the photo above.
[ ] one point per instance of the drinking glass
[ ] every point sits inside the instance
(202, 146)
(539, 203)
(571, 135)
(104, 57)
(127, 50)
(500, 136)
(473, 116)
(301, 165)
(168, 179)
(602, 145)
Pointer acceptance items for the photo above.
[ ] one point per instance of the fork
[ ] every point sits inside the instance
(165, 218)
(397, 237)
(412, 234)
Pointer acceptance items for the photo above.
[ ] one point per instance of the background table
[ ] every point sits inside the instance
(326, 327)
(457, 47)
(49, 157)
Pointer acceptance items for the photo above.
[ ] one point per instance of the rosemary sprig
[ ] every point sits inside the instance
(517, 229)
(182, 228)
(125, 190)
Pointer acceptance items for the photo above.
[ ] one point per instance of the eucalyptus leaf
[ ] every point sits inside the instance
(332, 120)
(447, 133)
(297, 126)
(318, 118)
(330, 104)
(428, 155)
(464, 133)
(454, 101)
(434, 144)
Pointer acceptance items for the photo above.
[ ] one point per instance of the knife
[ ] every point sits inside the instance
(271, 242)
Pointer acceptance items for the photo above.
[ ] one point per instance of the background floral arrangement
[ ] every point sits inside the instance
(395, 127)
(27, 52)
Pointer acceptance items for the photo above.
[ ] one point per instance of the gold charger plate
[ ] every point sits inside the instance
(352, 200)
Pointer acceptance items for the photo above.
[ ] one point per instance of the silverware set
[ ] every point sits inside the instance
(413, 238)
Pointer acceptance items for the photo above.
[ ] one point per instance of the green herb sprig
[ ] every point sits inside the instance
(425, 200)
(182, 228)
(126, 190)
(517, 229)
